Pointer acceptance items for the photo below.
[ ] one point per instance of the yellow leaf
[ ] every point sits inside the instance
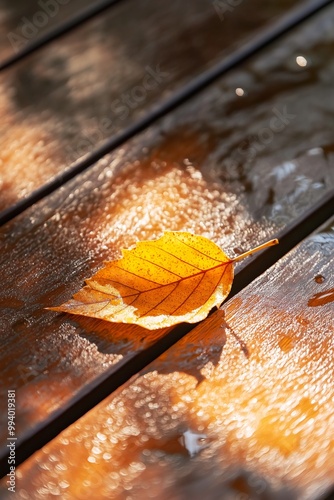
(178, 278)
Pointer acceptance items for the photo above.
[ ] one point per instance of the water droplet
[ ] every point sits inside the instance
(237, 250)
(239, 91)
(301, 61)
(21, 325)
(286, 343)
(193, 442)
(322, 298)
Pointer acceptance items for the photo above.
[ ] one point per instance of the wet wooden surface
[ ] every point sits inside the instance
(242, 407)
(176, 176)
(25, 21)
(67, 98)
(243, 404)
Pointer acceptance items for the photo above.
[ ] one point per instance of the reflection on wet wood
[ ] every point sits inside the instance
(205, 420)
(66, 99)
(171, 178)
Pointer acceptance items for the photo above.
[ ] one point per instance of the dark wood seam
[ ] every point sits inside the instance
(82, 17)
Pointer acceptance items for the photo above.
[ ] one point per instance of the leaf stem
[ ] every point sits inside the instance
(256, 249)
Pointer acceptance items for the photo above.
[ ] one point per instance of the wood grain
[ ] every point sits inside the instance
(66, 99)
(242, 407)
(24, 21)
(176, 176)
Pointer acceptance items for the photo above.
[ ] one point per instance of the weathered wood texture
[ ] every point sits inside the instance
(64, 100)
(176, 176)
(24, 21)
(242, 407)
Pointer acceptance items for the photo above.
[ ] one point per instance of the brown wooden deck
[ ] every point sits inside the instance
(160, 116)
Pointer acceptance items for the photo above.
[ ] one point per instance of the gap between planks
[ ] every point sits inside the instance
(82, 17)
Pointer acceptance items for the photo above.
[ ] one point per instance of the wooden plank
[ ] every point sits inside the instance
(66, 99)
(242, 407)
(172, 177)
(23, 22)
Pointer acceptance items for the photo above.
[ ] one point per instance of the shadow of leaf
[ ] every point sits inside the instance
(116, 338)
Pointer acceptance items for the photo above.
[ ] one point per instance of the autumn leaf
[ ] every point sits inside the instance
(178, 278)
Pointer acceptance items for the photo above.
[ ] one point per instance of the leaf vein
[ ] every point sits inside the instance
(158, 265)
(178, 258)
(189, 295)
(182, 278)
(198, 251)
(116, 282)
(136, 275)
(162, 300)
